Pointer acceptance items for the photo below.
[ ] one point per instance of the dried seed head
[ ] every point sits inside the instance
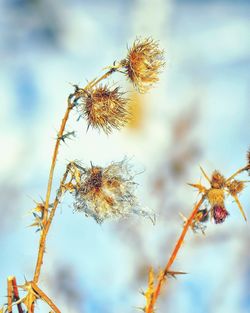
(218, 180)
(105, 108)
(235, 187)
(144, 63)
(219, 214)
(107, 192)
(216, 197)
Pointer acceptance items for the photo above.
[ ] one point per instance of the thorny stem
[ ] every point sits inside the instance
(47, 227)
(46, 206)
(43, 296)
(48, 219)
(9, 293)
(16, 295)
(150, 308)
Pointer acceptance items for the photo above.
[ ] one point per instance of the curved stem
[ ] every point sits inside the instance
(47, 220)
(46, 229)
(245, 168)
(150, 308)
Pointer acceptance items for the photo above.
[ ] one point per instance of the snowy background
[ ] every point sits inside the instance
(197, 115)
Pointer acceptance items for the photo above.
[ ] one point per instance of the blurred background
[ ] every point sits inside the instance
(197, 115)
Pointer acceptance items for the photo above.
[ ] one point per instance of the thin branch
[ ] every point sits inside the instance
(16, 295)
(44, 297)
(173, 256)
(47, 227)
(9, 293)
(245, 168)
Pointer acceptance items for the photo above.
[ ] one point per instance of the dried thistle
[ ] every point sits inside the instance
(235, 187)
(143, 63)
(215, 195)
(99, 192)
(218, 180)
(104, 108)
(220, 187)
(105, 192)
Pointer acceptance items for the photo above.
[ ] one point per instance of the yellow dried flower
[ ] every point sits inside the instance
(235, 187)
(105, 108)
(218, 180)
(144, 63)
(216, 196)
(107, 192)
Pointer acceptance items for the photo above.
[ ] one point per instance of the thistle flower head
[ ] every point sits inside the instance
(235, 187)
(218, 180)
(106, 192)
(144, 63)
(216, 194)
(219, 214)
(105, 108)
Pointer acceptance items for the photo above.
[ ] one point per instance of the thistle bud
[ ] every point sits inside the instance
(144, 63)
(235, 187)
(218, 180)
(219, 214)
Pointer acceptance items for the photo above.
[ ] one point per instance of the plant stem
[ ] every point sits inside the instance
(44, 297)
(47, 227)
(238, 172)
(47, 220)
(104, 76)
(54, 157)
(9, 293)
(150, 308)
(16, 295)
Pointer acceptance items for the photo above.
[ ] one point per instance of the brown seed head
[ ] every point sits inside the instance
(235, 187)
(218, 180)
(105, 108)
(144, 63)
(216, 197)
(107, 192)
